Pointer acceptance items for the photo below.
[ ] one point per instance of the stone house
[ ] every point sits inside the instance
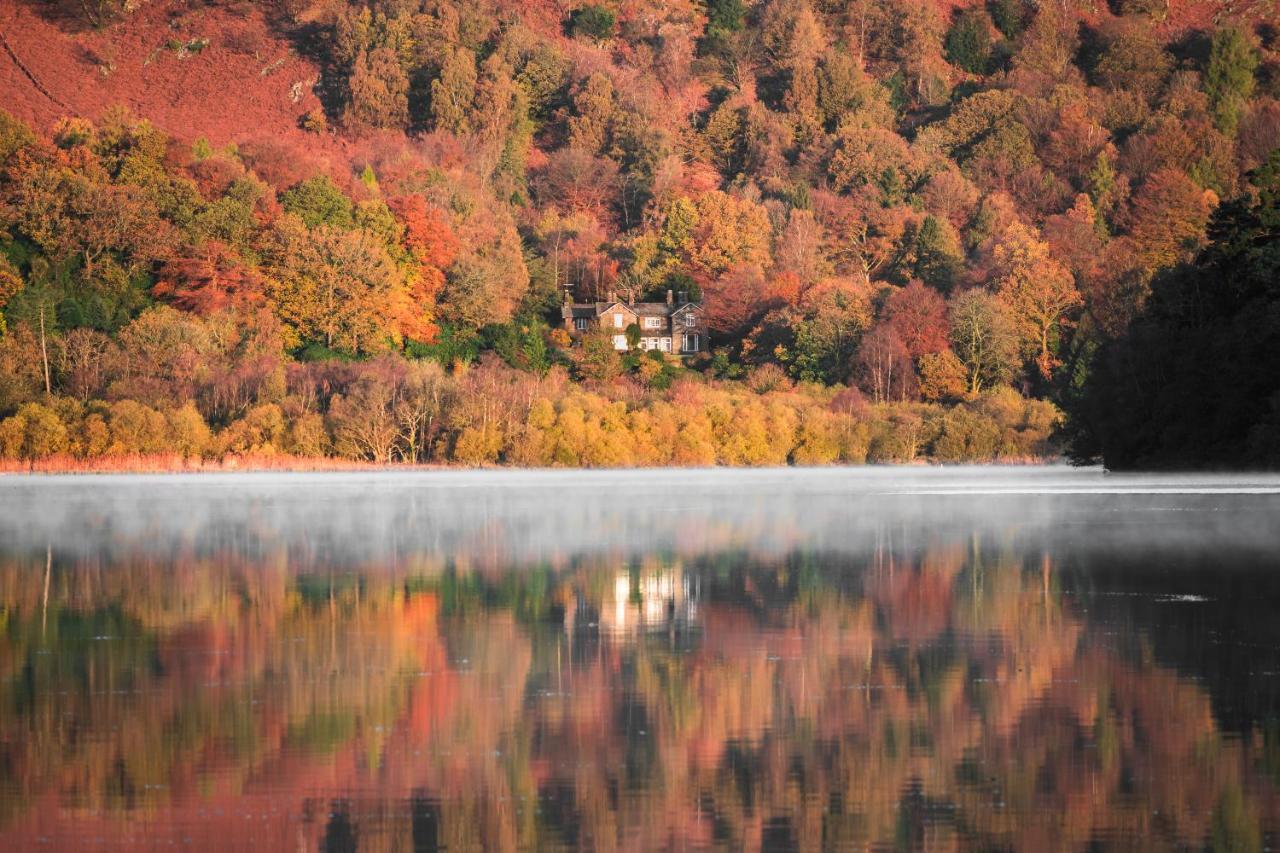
(675, 326)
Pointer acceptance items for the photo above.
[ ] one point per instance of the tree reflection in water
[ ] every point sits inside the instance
(968, 692)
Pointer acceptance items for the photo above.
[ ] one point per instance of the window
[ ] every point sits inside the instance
(619, 341)
(690, 320)
(617, 321)
(664, 344)
(690, 343)
(580, 323)
(653, 322)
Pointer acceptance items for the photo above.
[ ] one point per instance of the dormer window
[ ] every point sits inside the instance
(580, 323)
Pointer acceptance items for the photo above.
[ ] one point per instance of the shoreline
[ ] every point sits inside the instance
(171, 464)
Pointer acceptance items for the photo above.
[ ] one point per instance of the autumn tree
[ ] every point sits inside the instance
(429, 236)
(943, 377)
(597, 358)
(1038, 289)
(885, 365)
(338, 288)
(801, 248)
(379, 90)
(1131, 59)
(728, 231)
(1168, 216)
(738, 298)
(10, 283)
(453, 92)
(591, 127)
(34, 432)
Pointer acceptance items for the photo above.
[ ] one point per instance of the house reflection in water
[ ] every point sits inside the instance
(650, 599)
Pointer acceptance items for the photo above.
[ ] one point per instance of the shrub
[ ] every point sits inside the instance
(966, 435)
(34, 432)
(188, 433)
(818, 440)
(260, 432)
(306, 435)
(136, 428)
(768, 377)
(942, 376)
(478, 446)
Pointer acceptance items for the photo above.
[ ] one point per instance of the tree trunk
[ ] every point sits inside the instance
(44, 355)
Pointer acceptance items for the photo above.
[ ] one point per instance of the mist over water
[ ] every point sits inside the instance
(517, 518)
(957, 658)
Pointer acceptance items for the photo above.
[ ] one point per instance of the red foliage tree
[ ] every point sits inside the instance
(918, 314)
(209, 279)
(430, 238)
(744, 294)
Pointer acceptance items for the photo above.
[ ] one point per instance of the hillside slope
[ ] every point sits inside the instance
(248, 80)
(244, 82)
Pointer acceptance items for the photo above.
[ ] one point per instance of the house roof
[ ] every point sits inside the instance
(639, 309)
(652, 309)
(605, 307)
(575, 312)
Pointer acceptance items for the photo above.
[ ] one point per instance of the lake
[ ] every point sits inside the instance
(960, 658)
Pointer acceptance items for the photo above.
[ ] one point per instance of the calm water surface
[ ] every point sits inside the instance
(1029, 659)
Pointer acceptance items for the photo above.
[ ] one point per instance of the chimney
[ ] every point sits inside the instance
(670, 296)
(684, 296)
(613, 297)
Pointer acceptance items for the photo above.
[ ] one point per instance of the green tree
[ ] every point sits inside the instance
(983, 338)
(595, 22)
(936, 257)
(968, 43)
(1009, 16)
(1192, 380)
(318, 201)
(1229, 78)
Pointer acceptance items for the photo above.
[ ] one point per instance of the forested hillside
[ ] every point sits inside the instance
(919, 230)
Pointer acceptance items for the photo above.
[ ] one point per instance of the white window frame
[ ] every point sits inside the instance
(617, 321)
(690, 320)
(664, 344)
(691, 341)
(620, 342)
(653, 322)
(580, 323)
